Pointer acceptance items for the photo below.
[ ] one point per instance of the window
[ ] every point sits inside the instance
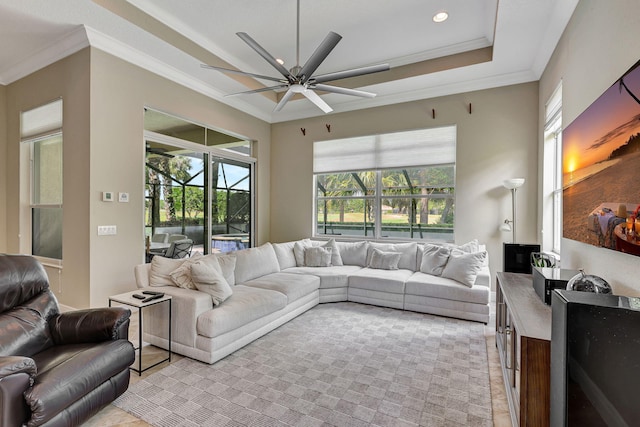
(403, 187)
(41, 133)
(552, 174)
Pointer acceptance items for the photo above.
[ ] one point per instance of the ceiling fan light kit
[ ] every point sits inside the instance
(300, 79)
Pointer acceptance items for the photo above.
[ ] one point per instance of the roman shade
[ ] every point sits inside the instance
(422, 147)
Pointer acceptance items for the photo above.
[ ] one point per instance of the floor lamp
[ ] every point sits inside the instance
(512, 184)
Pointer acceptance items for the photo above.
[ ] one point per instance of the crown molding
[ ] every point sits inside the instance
(58, 49)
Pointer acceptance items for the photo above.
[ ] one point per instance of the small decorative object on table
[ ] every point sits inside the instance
(588, 283)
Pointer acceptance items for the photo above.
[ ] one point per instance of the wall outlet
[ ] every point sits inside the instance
(107, 230)
(123, 197)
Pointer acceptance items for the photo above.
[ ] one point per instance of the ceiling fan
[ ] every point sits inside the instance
(300, 79)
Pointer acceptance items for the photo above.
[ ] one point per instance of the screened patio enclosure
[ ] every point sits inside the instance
(178, 203)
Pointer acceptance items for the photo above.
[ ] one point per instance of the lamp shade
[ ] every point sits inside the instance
(513, 183)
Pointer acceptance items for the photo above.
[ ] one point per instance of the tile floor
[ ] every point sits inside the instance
(112, 416)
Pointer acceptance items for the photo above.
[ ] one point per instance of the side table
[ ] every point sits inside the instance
(128, 299)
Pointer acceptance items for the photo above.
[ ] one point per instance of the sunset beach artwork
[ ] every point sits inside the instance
(601, 169)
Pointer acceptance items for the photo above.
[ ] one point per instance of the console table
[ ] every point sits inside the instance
(523, 339)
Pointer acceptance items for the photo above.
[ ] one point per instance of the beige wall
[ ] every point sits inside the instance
(119, 91)
(3, 168)
(67, 79)
(598, 46)
(496, 142)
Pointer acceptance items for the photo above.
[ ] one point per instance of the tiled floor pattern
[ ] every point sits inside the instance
(113, 416)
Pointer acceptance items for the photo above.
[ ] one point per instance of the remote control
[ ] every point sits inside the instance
(152, 293)
(138, 296)
(151, 298)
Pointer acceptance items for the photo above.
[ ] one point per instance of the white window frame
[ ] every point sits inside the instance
(38, 124)
(552, 174)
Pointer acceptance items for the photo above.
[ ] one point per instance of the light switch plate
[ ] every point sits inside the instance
(107, 230)
(107, 196)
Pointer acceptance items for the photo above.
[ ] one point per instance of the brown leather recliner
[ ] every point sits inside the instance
(56, 369)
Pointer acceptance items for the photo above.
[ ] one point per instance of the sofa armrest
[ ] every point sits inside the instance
(484, 277)
(186, 306)
(91, 325)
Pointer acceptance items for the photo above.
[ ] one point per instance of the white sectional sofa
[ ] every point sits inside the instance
(273, 283)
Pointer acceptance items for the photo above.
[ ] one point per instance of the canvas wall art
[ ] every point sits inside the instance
(601, 169)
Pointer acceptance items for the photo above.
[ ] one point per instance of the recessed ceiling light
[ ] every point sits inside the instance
(440, 16)
(280, 61)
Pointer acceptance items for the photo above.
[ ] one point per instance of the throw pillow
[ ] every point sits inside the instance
(317, 256)
(408, 251)
(161, 268)
(336, 259)
(464, 267)
(181, 276)
(208, 278)
(353, 253)
(298, 251)
(434, 259)
(227, 263)
(469, 247)
(384, 260)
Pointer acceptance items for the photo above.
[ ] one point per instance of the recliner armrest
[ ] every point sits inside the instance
(10, 365)
(16, 376)
(91, 325)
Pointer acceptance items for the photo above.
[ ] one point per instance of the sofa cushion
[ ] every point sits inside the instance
(255, 262)
(464, 267)
(284, 253)
(408, 250)
(380, 280)
(384, 260)
(441, 287)
(353, 253)
(434, 258)
(248, 303)
(207, 277)
(294, 286)
(330, 277)
(317, 256)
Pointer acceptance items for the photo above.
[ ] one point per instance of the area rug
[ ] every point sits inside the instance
(341, 364)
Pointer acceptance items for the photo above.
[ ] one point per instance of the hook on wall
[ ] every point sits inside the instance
(328, 127)
(433, 113)
(469, 108)
(304, 131)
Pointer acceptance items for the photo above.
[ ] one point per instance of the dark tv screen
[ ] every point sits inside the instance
(595, 360)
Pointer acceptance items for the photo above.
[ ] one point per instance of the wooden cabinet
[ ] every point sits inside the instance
(523, 338)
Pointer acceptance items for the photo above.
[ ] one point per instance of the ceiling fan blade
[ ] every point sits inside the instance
(343, 90)
(349, 73)
(263, 89)
(287, 96)
(266, 55)
(319, 55)
(313, 97)
(257, 76)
